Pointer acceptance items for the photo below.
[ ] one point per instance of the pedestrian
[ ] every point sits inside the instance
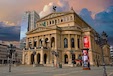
(53, 62)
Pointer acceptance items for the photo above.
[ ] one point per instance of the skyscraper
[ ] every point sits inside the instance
(28, 23)
(32, 18)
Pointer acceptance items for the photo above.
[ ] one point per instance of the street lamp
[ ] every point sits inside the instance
(34, 53)
(102, 40)
(72, 52)
(57, 55)
(11, 50)
(16, 54)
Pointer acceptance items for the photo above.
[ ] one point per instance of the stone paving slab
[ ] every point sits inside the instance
(52, 71)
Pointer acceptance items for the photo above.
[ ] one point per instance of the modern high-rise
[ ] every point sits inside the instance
(32, 19)
(28, 23)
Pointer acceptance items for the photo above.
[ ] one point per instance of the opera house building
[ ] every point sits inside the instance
(59, 37)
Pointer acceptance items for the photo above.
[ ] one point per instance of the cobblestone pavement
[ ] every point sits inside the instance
(52, 71)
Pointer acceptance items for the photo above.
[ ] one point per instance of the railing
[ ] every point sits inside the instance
(37, 48)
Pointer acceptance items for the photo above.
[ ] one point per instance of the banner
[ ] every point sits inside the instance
(85, 59)
(86, 42)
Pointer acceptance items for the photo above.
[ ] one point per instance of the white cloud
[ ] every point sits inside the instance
(62, 5)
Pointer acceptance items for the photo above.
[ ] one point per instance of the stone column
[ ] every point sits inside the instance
(76, 56)
(80, 42)
(48, 58)
(69, 42)
(69, 58)
(90, 41)
(62, 42)
(42, 56)
(56, 61)
(32, 41)
(36, 58)
(37, 42)
(29, 58)
(27, 43)
(43, 42)
(76, 42)
(56, 45)
(23, 58)
(49, 41)
(91, 57)
(62, 57)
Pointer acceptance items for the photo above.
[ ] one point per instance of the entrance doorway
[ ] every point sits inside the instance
(38, 58)
(73, 59)
(32, 58)
(45, 58)
(65, 59)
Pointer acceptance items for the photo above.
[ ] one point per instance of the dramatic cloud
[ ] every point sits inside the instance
(86, 16)
(9, 33)
(62, 5)
(103, 21)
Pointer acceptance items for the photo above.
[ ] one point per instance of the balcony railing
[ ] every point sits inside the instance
(37, 48)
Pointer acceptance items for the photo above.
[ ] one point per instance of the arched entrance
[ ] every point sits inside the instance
(40, 42)
(46, 42)
(32, 58)
(52, 42)
(45, 58)
(73, 58)
(38, 58)
(65, 59)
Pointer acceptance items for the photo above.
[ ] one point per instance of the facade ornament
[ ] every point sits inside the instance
(54, 8)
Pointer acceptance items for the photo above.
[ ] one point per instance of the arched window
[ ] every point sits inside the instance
(46, 42)
(65, 59)
(35, 43)
(50, 22)
(61, 20)
(72, 43)
(65, 43)
(52, 42)
(71, 18)
(55, 21)
(40, 42)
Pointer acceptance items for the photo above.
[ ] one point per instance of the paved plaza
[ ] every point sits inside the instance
(52, 71)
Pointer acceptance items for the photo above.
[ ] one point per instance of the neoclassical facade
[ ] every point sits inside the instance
(59, 38)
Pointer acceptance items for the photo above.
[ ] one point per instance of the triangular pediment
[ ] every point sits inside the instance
(41, 28)
(53, 15)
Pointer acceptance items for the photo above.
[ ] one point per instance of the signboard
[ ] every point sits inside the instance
(86, 42)
(85, 59)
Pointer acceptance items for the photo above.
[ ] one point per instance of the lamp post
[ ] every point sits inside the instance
(11, 50)
(56, 55)
(72, 57)
(102, 40)
(34, 53)
(16, 54)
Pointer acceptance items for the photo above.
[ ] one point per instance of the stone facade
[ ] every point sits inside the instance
(56, 37)
(4, 52)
